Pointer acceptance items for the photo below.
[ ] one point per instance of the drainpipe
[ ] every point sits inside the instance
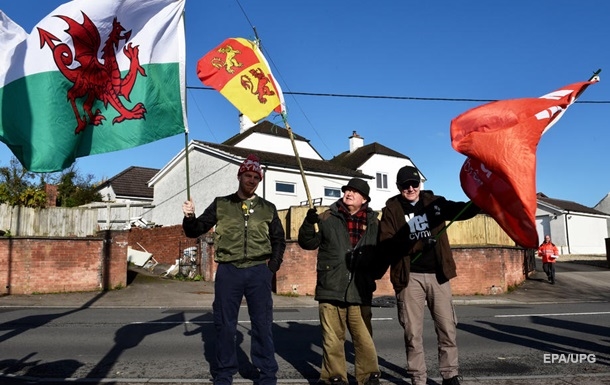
(265, 184)
(567, 231)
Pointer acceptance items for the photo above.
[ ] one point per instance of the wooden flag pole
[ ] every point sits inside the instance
(294, 147)
(296, 154)
(186, 132)
(186, 159)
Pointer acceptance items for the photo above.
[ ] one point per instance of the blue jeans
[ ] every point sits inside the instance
(230, 286)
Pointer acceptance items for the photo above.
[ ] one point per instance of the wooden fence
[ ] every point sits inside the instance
(86, 221)
(49, 222)
(480, 230)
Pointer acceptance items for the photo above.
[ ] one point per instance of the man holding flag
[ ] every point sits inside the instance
(92, 77)
(249, 243)
(412, 236)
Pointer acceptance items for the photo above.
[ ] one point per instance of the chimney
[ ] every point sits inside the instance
(244, 123)
(355, 142)
(51, 191)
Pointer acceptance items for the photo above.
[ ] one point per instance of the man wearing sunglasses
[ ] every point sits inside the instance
(413, 238)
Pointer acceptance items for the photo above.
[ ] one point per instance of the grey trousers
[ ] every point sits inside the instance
(424, 289)
(334, 321)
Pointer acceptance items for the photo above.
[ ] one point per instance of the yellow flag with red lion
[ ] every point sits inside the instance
(240, 72)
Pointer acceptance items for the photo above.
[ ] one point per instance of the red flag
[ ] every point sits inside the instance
(239, 71)
(500, 140)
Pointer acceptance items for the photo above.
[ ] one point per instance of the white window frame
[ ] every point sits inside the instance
(334, 189)
(294, 188)
(383, 180)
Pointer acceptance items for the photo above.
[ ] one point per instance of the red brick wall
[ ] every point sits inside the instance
(297, 274)
(480, 271)
(48, 265)
(164, 243)
(487, 270)
(57, 265)
(51, 191)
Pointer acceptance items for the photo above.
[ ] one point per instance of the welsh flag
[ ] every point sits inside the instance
(240, 72)
(500, 140)
(92, 77)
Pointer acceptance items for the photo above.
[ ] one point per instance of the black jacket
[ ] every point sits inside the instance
(400, 243)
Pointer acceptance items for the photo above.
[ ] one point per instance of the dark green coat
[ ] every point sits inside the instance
(242, 238)
(344, 274)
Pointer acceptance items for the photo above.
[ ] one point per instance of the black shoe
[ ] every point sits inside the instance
(455, 380)
(373, 379)
(552, 281)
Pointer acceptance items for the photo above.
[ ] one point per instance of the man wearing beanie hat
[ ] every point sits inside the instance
(345, 281)
(249, 247)
(412, 237)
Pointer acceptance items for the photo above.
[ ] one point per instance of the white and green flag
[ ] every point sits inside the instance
(92, 77)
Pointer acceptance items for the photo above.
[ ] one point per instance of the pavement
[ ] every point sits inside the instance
(585, 279)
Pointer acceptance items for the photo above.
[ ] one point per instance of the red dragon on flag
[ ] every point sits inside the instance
(93, 79)
(500, 140)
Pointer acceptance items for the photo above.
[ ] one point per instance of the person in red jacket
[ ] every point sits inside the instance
(549, 253)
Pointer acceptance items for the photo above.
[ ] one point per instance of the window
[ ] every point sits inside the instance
(285, 187)
(331, 192)
(382, 181)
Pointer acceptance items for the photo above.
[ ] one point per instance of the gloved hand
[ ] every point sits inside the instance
(273, 265)
(312, 216)
(434, 213)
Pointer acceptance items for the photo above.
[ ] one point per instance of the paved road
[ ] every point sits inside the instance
(575, 283)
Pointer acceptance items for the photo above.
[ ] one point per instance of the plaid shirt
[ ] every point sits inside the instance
(356, 223)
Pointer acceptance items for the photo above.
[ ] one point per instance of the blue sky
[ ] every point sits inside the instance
(482, 50)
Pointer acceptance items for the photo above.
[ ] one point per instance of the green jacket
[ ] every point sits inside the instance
(344, 274)
(242, 237)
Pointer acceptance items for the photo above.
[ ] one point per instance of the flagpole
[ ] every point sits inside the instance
(186, 130)
(296, 154)
(186, 158)
(292, 141)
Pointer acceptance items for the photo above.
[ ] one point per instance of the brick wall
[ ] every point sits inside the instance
(52, 265)
(481, 270)
(487, 270)
(57, 265)
(164, 243)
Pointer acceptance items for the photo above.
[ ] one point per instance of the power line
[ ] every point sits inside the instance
(390, 97)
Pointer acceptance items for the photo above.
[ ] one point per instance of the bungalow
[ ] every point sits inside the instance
(574, 228)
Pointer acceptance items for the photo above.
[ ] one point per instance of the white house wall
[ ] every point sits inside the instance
(316, 184)
(209, 177)
(555, 227)
(587, 234)
(383, 164)
(550, 222)
(107, 193)
(278, 145)
(572, 233)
